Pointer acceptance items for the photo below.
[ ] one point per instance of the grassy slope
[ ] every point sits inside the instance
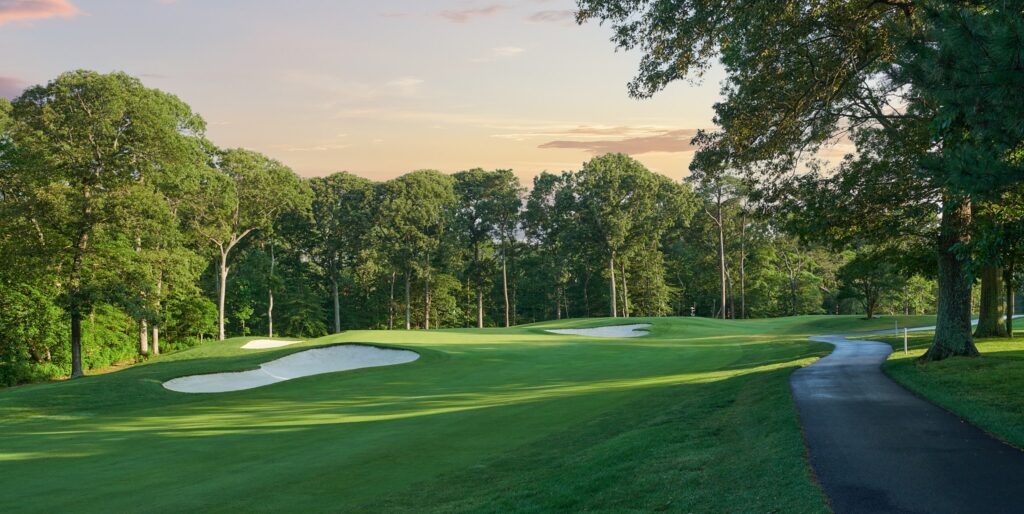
(696, 416)
(985, 391)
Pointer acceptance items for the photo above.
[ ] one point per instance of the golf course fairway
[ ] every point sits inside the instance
(695, 416)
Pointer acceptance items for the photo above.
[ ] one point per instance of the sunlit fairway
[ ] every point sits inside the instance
(695, 416)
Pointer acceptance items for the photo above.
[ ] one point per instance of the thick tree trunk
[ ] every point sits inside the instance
(611, 278)
(408, 298)
(504, 286)
(156, 339)
(479, 306)
(990, 316)
(953, 321)
(143, 337)
(1011, 299)
(222, 286)
(76, 342)
(337, 303)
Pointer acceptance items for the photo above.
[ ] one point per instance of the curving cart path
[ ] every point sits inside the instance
(875, 447)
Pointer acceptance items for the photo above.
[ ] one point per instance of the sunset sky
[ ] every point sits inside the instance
(375, 88)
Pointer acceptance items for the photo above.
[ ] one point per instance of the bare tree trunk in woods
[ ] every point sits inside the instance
(611, 278)
(953, 320)
(391, 304)
(1011, 299)
(558, 302)
(586, 295)
(625, 290)
(156, 339)
(990, 316)
(143, 337)
(743, 264)
(408, 311)
(337, 303)
(270, 296)
(222, 285)
(76, 343)
(504, 286)
(426, 300)
(479, 306)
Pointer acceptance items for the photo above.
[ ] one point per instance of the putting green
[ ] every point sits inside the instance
(695, 416)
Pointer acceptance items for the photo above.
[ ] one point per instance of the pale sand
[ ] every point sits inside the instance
(636, 330)
(261, 344)
(302, 364)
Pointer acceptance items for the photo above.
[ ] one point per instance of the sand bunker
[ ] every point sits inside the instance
(302, 364)
(636, 330)
(261, 344)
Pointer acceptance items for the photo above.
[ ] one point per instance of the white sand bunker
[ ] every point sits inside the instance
(261, 344)
(302, 364)
(636, 330)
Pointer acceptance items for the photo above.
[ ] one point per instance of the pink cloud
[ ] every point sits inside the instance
(466, 15)
(669, 141)
(24, 10)
(11, 87)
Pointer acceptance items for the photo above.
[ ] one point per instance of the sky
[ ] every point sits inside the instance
(377, 88)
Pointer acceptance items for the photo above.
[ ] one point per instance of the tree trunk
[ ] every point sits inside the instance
(743, 264)
(990, 316)
(143, 337)
(426, 301)
(625, 290)
(76, 342)
(222, 286)
(337, 303)
(504, 286)
(270, 296)
(479, 306)
(1010, 297)
(391, 304)
(611, 277)
(408, 312)
(721, 255)
(953, 320)
(156, 339)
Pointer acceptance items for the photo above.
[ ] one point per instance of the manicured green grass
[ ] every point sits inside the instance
(696, 416)
(986, 391)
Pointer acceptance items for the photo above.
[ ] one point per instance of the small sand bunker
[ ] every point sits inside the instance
(636, 330)
(303, 364)
(261, 344)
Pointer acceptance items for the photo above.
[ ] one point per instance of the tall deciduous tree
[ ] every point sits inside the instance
(342, 214)
(87, 139)
(411, 217)
(244, 193)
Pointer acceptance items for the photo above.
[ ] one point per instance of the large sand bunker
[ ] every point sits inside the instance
(635, 330)
(261, 344)
(303, 364)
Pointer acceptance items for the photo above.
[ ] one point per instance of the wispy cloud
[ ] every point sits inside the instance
(11, 87)
(501, 52)
(26, 10)
(668, 141)
(553, 16)
(471, 14)
(340, 89)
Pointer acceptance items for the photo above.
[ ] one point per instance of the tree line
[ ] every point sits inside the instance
(126, 233)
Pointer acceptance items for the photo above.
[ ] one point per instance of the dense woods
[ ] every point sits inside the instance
(126, 233)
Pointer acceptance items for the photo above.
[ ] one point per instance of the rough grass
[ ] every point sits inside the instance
(696, 416)
(987, 391)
